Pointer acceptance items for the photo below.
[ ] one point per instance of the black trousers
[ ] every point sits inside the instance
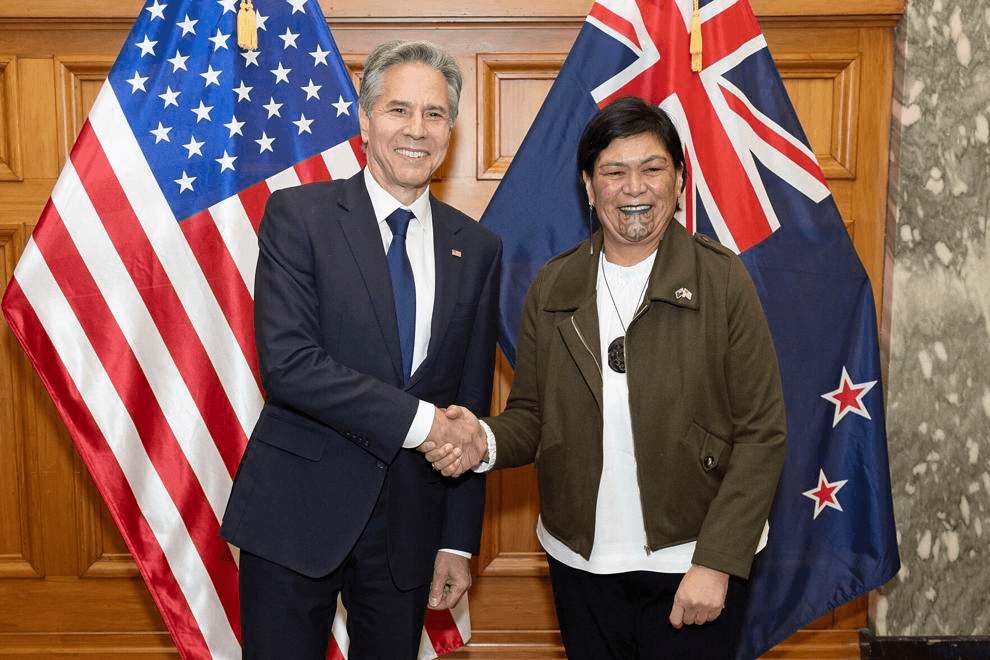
(287, 616)
(625, 616)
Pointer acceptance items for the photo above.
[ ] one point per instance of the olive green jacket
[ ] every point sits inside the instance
(704, 395)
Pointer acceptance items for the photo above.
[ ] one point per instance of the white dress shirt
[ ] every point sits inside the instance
(419, 248)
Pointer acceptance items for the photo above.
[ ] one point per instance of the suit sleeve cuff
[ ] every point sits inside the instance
(421, 425)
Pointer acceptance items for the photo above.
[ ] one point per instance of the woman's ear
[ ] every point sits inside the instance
(588, 188)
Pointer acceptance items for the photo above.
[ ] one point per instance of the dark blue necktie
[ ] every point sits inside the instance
(403, 286)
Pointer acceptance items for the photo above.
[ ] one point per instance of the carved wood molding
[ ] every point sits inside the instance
(10, 134)
(11, 241)
(72, 73)
(15, 529)
(515, 644)
(510, 517)
(93, 524)
(516, 563)
(484, 645)
(355, 66)
(147, 645)
(840, 71)
(332, 9)
(817, 644)
(493, 70)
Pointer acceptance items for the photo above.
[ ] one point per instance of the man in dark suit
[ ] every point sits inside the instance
(361, 346)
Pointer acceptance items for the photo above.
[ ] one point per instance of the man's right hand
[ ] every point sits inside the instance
(456, 442)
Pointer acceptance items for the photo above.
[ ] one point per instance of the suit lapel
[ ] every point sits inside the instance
(448, 262)
(360, 230)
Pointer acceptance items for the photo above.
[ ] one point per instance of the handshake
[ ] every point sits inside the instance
(456, 442)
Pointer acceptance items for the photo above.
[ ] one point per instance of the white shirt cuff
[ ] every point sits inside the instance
(485, 466)
(421, 425)
(460, 553)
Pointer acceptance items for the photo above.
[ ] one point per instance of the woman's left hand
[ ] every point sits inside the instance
(700, 596)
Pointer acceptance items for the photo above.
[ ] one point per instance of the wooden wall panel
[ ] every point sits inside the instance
(78, 81)
(100, 548)
(16, 548)
(823, 89)
(851, 142)
(64, 567)
(511, 89)
(10, 134)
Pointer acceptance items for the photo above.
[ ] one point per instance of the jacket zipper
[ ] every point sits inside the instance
(643, 307)
(588, 348)
(639, 312)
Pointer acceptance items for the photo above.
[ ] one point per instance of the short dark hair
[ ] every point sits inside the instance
(624, 118)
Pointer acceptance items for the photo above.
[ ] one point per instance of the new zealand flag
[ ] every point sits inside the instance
(754, 184)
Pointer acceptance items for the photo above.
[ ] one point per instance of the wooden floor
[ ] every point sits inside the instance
(803, 645)
(489, 645)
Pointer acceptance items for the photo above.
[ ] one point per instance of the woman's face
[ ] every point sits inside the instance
(634, 188)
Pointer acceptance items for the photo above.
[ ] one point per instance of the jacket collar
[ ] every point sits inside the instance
(674, 278)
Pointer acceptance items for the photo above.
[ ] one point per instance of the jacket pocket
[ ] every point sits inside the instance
(292, 433)
(714, 453)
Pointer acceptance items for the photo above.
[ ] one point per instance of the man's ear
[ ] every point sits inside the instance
(363, 121)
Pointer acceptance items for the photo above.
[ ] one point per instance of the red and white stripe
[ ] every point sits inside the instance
(140, 328)
(443, 631)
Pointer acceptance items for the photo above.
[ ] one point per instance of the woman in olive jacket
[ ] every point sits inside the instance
(648, 395)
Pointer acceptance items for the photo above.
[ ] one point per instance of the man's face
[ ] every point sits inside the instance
(409, 129)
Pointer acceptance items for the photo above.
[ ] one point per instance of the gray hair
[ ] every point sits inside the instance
(396, 52)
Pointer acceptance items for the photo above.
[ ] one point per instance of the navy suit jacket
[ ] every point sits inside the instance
(336, 411)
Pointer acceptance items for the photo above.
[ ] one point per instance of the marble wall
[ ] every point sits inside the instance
(938, 393)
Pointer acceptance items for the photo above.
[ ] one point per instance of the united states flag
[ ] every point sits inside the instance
(133, 297)
(755, 185)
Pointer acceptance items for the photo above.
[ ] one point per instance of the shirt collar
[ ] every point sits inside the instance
(383, 202)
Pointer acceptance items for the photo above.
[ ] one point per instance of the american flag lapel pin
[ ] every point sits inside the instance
(455, 253)
(683, 293)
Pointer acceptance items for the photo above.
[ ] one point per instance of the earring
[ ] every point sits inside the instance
(591, 228)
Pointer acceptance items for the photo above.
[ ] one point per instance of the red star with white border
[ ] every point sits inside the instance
(848, 397)
(824, 494)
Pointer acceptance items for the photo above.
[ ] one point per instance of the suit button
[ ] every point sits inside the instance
(709, 462)
(380, 465)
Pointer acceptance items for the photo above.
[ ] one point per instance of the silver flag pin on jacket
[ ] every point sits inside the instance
(683, 293)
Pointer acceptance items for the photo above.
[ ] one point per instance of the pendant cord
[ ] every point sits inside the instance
(612, 298)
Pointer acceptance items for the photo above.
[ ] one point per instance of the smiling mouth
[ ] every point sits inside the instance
(411, 154)
(635, 209)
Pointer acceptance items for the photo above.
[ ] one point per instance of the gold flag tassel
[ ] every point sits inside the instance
(247, 26)
(695, 40)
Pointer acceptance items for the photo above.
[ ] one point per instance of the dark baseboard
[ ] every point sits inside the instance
(923, 648)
